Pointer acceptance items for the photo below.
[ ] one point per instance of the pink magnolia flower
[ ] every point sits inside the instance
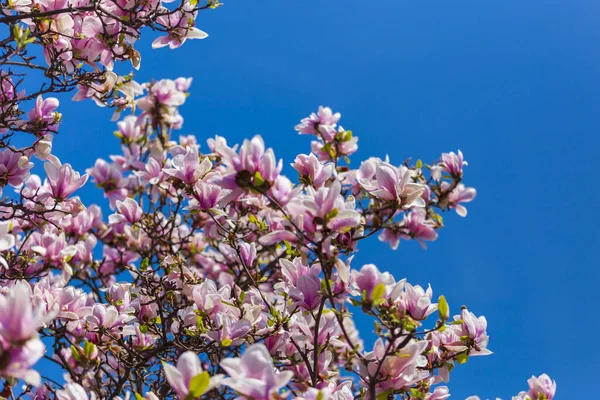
(19, 342)
(153, 172)
(399, 370)
(12, 170)
(417, 301)
(181, 27)
(64, 181)
(208, 196)
(367, 278)
(74, 391)
(231, 331)
(7, 240)
(293, 270)
(542, 387)
(312, 171)
(210, 299)
(327, 207)
(188, 167)
(460, 194)
(128, 211)
(418, 227)
(306, 294)
(43, 147)
(395, 185)
(248, 253)
(108, 318)
(20, 359)
(253, 165)
(345, 145)
(440, 393)
(253, 374)
(322, 124)
(43, 116)
(52, 248)
(19, 319)
(414, 226)
(277, 236)
(129, 129)
(188, 367)
(164, 92)
(110, 178)
(472, 333)
(453, 163)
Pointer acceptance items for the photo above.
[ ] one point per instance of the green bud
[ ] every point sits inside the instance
(144, 264)
(378, 293)
(199, 384)
(443, 308)
(258, 179)
(462, 358)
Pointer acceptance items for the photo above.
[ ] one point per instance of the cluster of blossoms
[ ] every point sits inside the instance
(78, 44)
(210, 274)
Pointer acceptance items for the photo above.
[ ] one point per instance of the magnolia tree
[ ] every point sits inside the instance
(208, 273)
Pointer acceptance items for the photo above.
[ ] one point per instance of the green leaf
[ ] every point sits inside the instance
(462, 358)
(378, 293)
(75, 353)
(199, 384)
(226, 342)
(419, 164)
(144, 264)
(252, 218)
(144, 328)
(138, 396)
(443, 308)
(88, 348)
(331, 214)
(258, 179)
(324, 285)
(384, 395)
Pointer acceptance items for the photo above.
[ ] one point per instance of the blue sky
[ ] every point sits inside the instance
(513, 84)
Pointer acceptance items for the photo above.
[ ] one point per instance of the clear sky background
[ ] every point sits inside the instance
(513, 84)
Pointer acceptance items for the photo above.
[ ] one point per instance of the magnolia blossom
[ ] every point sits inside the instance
(471, 334)
(460, 194)
(182, 22)
(188, 368)
(7, 240)
(129, 211)
(322, 123)
(311, 170)
(64, 181)
(395, 184)
(188, 167)
(19, 322)
(13, 170)
(253, 374)
(542, 387)
(43, 116)
(74, 391)
(453, 163)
